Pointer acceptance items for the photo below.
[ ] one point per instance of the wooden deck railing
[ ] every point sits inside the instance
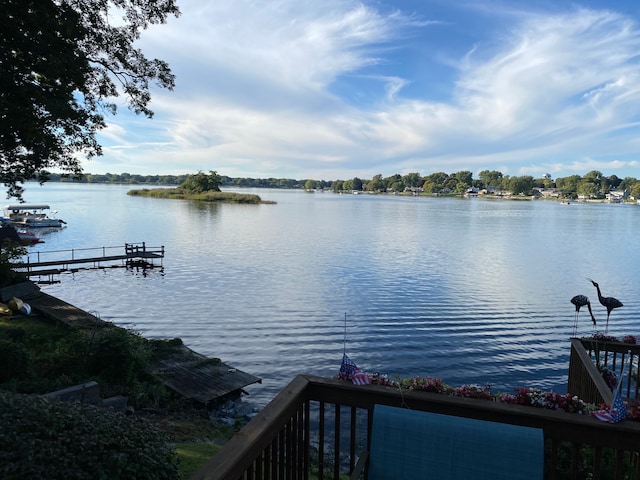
(589, 356)
(317, 427)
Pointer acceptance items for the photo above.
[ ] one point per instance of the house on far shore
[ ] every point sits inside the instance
(617, 196)
(413, 190)
(495, 191)
(546, 193)
(472, 192)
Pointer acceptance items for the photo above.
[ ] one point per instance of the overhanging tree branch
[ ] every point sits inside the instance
(61, 64)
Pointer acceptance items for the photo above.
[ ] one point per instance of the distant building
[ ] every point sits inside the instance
(472, 192)
(546, 192)
(618, 196)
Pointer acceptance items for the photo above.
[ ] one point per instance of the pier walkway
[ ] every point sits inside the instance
(54, 262)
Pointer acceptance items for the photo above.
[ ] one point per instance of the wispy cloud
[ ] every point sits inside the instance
(276, 89)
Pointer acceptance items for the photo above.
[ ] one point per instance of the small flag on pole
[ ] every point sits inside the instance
(348, 368)
(350, 371)
(618, 409)
(616, 413)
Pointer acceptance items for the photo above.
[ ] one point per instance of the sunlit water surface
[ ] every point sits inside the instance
(471, 291)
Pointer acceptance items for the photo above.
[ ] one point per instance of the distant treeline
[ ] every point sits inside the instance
(592, 184)
(175, 180)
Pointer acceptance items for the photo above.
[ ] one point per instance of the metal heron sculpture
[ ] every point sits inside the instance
(580, 301)
(608, 302)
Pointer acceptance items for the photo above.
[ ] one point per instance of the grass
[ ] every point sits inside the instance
(211, 196)
(192, 456)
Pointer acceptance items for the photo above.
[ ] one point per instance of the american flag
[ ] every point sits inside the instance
(350, 371)
(618, 410)
(615, 414)
(348, 368)
(361, 378)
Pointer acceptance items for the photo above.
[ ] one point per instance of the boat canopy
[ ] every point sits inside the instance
(26, 206)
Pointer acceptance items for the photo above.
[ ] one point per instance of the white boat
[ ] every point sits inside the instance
(32, 216)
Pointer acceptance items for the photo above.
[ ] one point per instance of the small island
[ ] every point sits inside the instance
(200, 187)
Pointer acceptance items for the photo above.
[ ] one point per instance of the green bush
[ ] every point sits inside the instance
(10, 252)
(118, 355)
(14, 361)
(40, 357)
(42, 438)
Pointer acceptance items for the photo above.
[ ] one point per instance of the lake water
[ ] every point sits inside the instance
(471, 291)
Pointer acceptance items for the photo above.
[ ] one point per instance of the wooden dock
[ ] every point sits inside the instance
(200, 378)
(50, 263)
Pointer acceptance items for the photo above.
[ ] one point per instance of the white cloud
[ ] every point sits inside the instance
(114, 133)
(258, 94)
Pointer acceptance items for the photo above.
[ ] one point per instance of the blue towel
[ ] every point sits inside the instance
(409, 444)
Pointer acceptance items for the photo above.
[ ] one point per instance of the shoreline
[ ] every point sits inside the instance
(186, 372)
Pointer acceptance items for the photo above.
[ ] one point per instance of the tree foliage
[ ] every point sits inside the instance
(520, 185)
(62, 63)
(465, 177)
(436, 183)
(201, 182)
(10, 252)
(491, 178)
(376, 184)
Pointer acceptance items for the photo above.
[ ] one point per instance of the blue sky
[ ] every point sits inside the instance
(335, 89)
